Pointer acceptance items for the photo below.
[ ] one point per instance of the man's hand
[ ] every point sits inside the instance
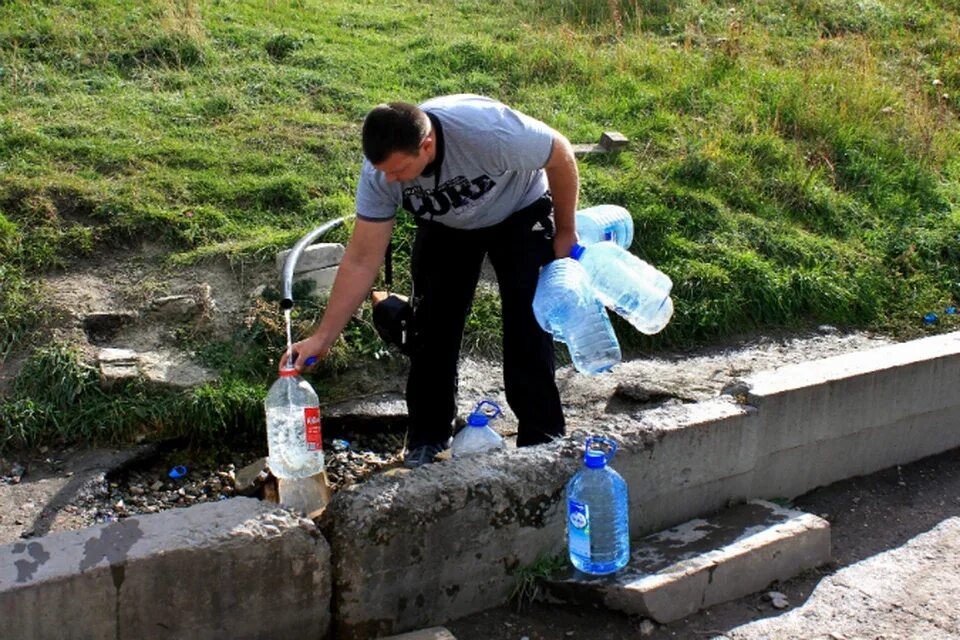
(305, 354)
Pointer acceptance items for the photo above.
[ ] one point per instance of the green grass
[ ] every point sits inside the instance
(790, 164)
(527, 580)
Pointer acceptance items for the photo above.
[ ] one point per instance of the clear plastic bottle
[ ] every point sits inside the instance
(605, 222)
(566, 307)
(634, 289)
(478, 436)
(294, 442)
(598, 513)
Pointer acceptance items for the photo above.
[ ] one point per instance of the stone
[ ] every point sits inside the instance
(610, 142)
(613, 140)
(173, 369)
(322, 279)
(117, 364)
(250, 478)
(777, 600)
(179, 308)
(314, 257)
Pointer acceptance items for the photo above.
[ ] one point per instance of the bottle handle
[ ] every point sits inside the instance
(496, 409)
(600, 440)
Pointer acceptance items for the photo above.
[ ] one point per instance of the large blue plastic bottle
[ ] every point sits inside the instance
(566, 307)
(598, 513)
(631, 287)
(605, 222)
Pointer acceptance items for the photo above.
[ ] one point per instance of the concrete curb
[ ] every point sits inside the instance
(444, 541)
(417, 549)
(238, 568)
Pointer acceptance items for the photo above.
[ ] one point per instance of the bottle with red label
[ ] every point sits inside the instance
(293, 427)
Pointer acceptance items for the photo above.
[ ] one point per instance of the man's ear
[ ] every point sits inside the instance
(428, 143)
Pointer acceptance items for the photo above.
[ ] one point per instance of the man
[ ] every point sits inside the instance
(480, 179)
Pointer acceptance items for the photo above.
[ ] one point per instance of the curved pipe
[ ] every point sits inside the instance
(294, 256)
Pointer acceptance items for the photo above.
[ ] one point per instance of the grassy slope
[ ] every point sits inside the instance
(791, 162)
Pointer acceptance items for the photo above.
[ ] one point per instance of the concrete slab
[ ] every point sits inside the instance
(706, 561)
(237, 568)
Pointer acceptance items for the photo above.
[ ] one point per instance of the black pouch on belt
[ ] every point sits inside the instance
(392, 312)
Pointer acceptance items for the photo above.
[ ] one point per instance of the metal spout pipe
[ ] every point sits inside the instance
(294, 256)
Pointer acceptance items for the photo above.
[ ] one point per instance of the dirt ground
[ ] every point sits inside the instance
(868, 515)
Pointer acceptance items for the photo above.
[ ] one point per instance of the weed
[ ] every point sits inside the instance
(282, 45)
(527, 580)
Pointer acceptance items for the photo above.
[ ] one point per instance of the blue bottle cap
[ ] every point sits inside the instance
(596, 458)
(930, 318)
(950, 311)
(576, 251)
(178, 471)
(480, 419)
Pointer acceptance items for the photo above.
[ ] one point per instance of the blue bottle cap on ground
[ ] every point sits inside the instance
(480, 419)
(178, 471)
(950, 311)
(930, 318)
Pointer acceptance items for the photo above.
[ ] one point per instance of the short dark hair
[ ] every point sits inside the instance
(397, 126)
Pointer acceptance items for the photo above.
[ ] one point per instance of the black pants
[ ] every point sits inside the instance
(446, 267)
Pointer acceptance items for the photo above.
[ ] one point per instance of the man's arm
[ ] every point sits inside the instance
(564, 179)
(356, 274)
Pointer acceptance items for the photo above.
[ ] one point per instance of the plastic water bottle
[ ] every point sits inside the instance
(478, 436)
(634, 289)
(566, 307)
(605, 222)
(598, 524)
(294, 444)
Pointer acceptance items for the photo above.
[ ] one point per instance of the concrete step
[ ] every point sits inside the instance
(703, 562)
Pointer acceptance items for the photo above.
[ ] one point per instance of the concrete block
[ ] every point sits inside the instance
(314, 257)
(443, 541)
(791, 472)
(613, 140)
(686, 460)
(830, 398)
(237, 568)
(322, 279)
(118, 364)
(706, 561)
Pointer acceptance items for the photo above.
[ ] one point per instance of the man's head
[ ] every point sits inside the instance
(398, 140)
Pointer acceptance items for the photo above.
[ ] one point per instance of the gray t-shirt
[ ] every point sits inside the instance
(492, 165)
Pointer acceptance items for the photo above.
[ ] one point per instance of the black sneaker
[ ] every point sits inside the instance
(419, 456)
